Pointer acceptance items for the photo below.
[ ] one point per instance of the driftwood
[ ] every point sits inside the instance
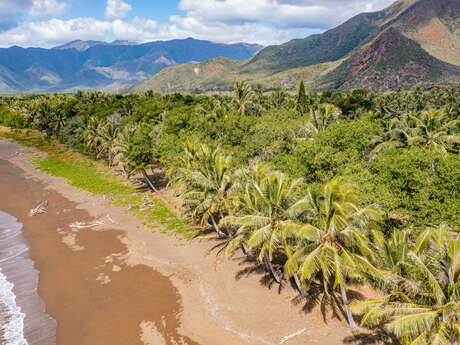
(286, 338)
(82, 225)
(110, 219)
(39, 209)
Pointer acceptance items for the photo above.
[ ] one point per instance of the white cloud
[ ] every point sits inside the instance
(215, 20)
(55, 31)
(10, 12)
(47, 8)
(319, 14)
(117, 9)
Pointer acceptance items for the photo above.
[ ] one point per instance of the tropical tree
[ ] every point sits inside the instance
(91, 134)
(302, 105)
(426, 311)
(322, 116)
(119, 149)
(108, 133)
(241, 95)
(141, 153)
(208, 186)
(334, 246)
(434, 130)
(267, 205)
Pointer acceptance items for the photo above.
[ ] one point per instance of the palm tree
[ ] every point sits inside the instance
(278, 98)
(434, 130)
(241, 95)
(119, 149)
(267, 205)
(429, 311)
(322, 117)
(335, 244)
(108, 134)
(91, 134)
(209, 187)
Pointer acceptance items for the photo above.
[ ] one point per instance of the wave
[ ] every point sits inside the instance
(23, 320)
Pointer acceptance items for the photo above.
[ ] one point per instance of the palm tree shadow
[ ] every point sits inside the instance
(376, 336)
(158, 177)
(252, 267)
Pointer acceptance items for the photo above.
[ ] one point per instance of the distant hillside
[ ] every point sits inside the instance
(391, 61)
(428, 29)
(101, 65)
(221, 73)
(85, 45)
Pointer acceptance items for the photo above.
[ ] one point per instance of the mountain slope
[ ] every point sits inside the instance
(100, 65)
(433, 23)
(221, 73)
(391, 61)
(369, 43)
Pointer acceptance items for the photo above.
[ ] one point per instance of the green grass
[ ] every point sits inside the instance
(84, 177)
(87, 174)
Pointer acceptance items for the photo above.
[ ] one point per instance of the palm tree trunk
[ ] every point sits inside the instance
(146, 177)
(219, 232)
(246, 250)
(270, 267)
(230, 236)
(351, 321)
(299, 286)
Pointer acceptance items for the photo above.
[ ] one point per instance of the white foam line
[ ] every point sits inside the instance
(213, 309)
(13, 329)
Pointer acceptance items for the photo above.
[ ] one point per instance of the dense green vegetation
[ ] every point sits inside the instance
(330, 188)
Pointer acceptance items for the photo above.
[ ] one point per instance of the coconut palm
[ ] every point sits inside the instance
(91, 134)
(119, 149)
(429, 314)
(209, 186)
(434, 130)
(322, 117)
(334, 245)
(108, 133)
(267, 205)
(241, 95)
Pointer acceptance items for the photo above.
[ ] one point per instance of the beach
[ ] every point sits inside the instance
(106, 279)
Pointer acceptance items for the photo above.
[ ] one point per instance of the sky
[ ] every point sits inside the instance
(48, 23)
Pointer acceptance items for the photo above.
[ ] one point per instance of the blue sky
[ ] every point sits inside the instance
(47, 23)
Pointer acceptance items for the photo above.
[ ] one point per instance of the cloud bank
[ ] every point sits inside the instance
(259, 21)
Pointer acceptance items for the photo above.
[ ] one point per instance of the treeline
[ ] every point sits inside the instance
(331, 189)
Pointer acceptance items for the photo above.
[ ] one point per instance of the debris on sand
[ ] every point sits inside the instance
(286, 338)
(82, 225)
(39, 209)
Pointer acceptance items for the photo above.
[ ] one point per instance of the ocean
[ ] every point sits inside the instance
(23, 320)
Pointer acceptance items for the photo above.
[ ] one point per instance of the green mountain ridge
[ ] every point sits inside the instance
(428, 29)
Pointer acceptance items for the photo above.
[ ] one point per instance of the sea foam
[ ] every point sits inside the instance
(11, 317)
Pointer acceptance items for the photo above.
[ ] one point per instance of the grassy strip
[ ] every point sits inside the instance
(91, 176)
(84, 177)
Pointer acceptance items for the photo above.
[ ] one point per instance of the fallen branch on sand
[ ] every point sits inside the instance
(286, 338)
(111, 220)
(82, 225)
(39, 209)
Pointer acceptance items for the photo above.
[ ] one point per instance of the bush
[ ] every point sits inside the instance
(12, 119)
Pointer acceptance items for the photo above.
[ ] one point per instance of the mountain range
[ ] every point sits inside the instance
(410, 43)
(104, 66)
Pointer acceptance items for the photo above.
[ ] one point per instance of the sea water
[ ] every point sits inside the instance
(23, 320)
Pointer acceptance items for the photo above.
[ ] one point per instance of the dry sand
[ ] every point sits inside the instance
(121, 283)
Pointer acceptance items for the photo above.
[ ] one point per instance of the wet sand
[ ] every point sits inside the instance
(179, 292)
(94, 297)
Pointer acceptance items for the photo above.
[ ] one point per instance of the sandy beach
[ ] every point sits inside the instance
(120, 283)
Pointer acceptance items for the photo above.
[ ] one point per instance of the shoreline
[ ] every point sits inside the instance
(224, 301)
